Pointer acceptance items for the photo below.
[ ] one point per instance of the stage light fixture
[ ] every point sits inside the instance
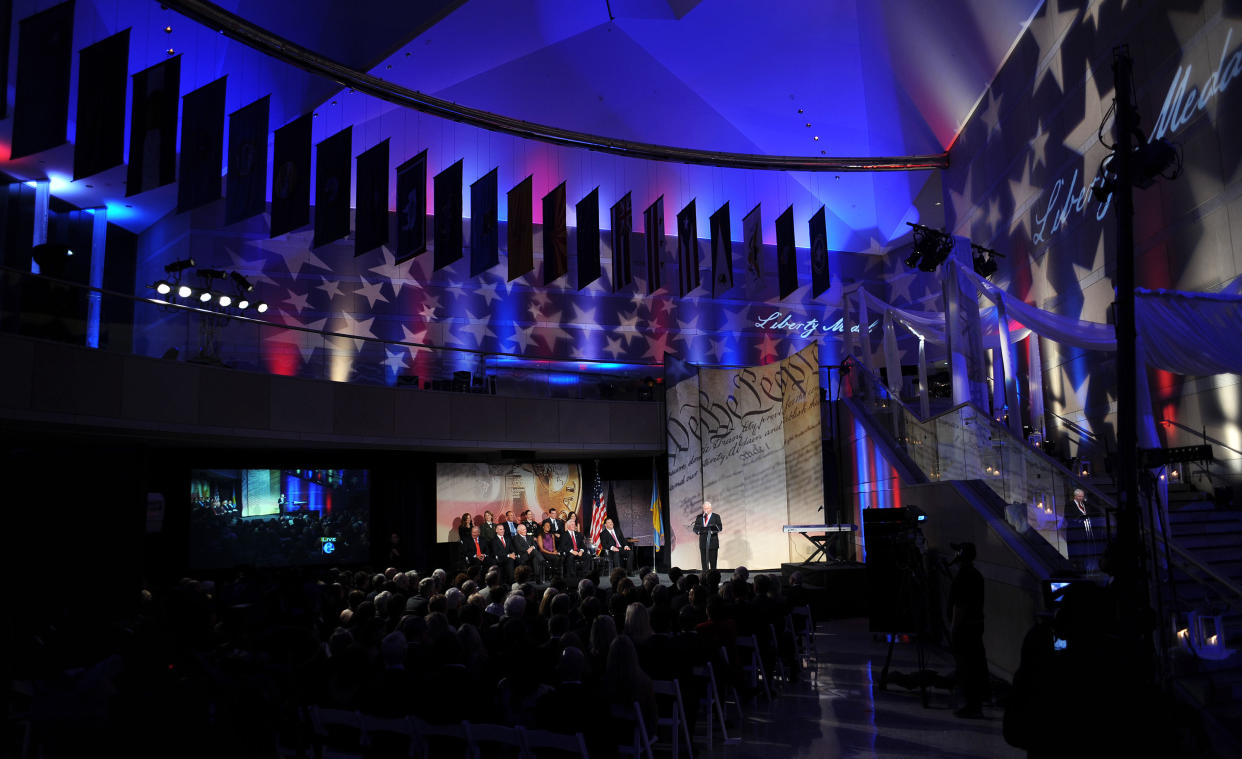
(261, 308)
(211, 274)
(931, 248)
(224, 301)
(184, 291)
(984, 260)
(179, 266)
(205, 296)
(162, 287)
(243, 304)
(1153, 159)
(242, 283)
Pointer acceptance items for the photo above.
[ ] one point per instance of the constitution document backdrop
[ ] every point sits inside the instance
(748, 440)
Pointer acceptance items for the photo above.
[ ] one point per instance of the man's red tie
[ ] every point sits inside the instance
(477, 551)
(573, 540)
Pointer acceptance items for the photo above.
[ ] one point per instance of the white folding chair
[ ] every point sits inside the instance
(642, 740)
(671, 691)
(336, 732)
(749, 648)
(535, 743)
(478, 736)
(442, 735)
(396, 729)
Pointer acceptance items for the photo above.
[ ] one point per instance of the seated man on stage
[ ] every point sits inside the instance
(527, 553)
(613, 544)
(548, 551)
(475, 550)
(505, 554)
(574, 550)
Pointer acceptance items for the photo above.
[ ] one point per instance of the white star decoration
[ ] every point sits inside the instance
(1049, 30)
(768, 347)
(615, 346)
(396, 274)
(306, 342)
(415, 337)
(991, 115)
(332, 287)
(1039, 146)
(522, 338)
(298, 301)
(477, 327)
(395, 360)
(295, 250)
(657, 346)
(488, 291)
(251, 269)
(371, 291)
(716, 351)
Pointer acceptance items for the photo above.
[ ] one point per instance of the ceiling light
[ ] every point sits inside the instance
(184, 291)
(243, 304)
(261, 308)
(162, 287)
(224, 300)
(204, 296)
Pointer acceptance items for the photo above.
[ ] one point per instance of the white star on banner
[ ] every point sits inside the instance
(359, 327)
(488, 291)
(628, 320)
(522, 338)
(395, 360)
(554, 332)
(717, 346)
(579, 349)
(295, 250)
(251, 269)
(1085, 133)
(1021, 189)
(477, 327)
(298, 301)
(963, 203)
(396, 274)
(371, 291)
(638, 299)
(306, 342)
(994, 216)
(428, 312)
(874, 247)
(737, 321)
(899, 287)
(690, 326)
(581, 316)
(661, 306)
(615, 346)
(331, 287)
(658, 346)
(538, 301)
(457, 291)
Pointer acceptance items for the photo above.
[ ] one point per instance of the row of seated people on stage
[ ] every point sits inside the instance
(231, 666)
(554, 547)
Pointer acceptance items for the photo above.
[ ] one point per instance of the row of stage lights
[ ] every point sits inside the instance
(932, 247)
(171, 287)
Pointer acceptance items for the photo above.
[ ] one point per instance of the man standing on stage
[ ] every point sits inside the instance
(708, 527)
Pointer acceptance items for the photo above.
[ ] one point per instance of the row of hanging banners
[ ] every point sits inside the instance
(1187, 333)
(45, 46)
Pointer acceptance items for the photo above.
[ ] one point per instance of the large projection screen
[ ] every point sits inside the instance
(749, 441)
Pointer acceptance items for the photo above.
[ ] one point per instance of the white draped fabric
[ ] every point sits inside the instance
(1190, 333)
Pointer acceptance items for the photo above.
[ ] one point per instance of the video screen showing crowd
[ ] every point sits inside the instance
(278, 517)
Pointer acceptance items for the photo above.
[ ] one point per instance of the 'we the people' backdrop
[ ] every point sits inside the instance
(748, 440)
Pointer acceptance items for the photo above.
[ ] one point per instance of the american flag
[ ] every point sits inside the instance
(599, 510)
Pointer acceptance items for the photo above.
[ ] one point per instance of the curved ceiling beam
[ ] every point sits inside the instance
(238, 28)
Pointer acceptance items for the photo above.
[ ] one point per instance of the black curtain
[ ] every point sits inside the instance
(521, 250)
(786, 254)
(245, 195)
(622, 219)
(202, 146)
(332, 187)
(447, 188)
(412, 207)
(484, 223)
(291, 165)
(587, 238)
(555, 236)
(6, 31)
(371, 219)
(653, 231)
(819, 253)
(44, 60)
(103, 73)
(153, 127)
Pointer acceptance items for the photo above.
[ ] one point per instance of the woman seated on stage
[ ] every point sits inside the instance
(463, 529)
(546, 543)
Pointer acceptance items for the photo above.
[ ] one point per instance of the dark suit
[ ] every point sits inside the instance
(510, 529)
(471, 558)
(500, 556)
(709, 539)
(520, 544)
(574, 565)
(558, 525)
(606, 542)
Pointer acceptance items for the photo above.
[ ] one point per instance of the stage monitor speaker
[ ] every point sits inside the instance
(896, 577)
